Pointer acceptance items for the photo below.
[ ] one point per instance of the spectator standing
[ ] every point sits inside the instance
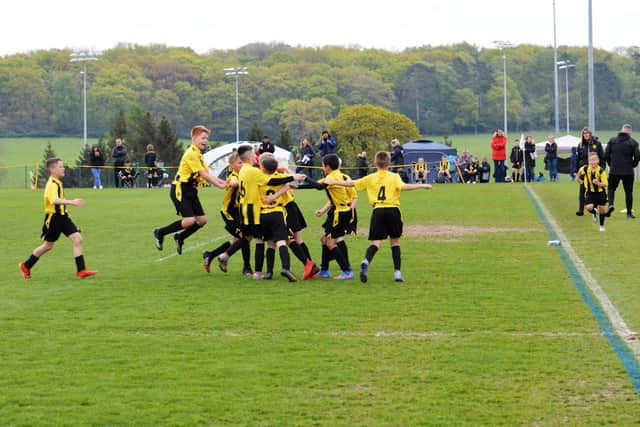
(266, 146)
(529, 158)
(622, 156)
(397, 157)
(327, 144)
(119, 156)
(551, 157)
(307, 153)
(361, 163)
(588, 144)
(499, 154)
(150, 158)
(96, 160)
(517, 161)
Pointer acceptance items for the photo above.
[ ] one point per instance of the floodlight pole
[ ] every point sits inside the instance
(236, 71)
(84, 56)
(592, 112)
(555, 74)
(502, 45)
(565, 65)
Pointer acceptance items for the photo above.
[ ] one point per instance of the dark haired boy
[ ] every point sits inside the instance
(56, 222)
(383, 189)
(339, 218)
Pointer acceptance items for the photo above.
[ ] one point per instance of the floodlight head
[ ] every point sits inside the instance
(503, 44)
(85, 55)
(235, 71)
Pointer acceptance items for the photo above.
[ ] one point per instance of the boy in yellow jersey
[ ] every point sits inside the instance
(250, 179)
(272, 219)
(420, 171)
(339, 218)
(231, 217)
(57, 221)
(192, 172)
(445, 168)
(383, 189)
(594, 179)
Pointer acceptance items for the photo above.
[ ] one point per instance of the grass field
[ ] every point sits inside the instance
(489, 328)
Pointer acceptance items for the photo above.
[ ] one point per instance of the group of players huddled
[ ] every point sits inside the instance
(259, 205)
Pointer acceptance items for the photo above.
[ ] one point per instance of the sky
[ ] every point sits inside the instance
(29, 25)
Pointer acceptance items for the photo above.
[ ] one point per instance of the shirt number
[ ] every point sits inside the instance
(382, 194)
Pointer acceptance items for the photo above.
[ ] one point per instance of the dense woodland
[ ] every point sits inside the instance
(443, 90)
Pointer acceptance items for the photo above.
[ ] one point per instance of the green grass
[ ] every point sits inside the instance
(488, 329)
(18, 156)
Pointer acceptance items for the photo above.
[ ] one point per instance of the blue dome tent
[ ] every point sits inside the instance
(430, 151)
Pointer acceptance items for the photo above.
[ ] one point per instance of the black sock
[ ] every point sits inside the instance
(601, 219)
(371, 252)
(246, 254)
(343, 247)
(220, 249)
(284, 257)
(298, 252)
(304, 247)
(271, 259)
(189, 231)
(339, 256)
(80, 263)
(395, 254)
(326, 257)
(234, 248)
(171, 228)
(31, 261)
(259, 256)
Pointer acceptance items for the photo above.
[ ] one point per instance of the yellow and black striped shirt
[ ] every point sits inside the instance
(420, 167)
(230, 207)
(190, 166)
(53, 191)
(445, 165)
(587, 174)
(339, 196)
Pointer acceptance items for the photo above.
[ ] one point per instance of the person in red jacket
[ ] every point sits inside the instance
(499, 154)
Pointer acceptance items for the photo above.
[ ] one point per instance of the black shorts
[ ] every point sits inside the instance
(232, 226)
(353, 222)
(295, 219)
(337, 223)
(273, 226)
(190, 205)
(385, 222)
(595, 198)
(55, 224)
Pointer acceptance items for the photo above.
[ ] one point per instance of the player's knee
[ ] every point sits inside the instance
(188, 222)
(76, 238)
(201, 221)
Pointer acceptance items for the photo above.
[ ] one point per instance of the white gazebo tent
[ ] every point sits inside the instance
(217, 159)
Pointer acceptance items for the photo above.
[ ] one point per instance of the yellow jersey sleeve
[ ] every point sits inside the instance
(53, 191)
(190, 166)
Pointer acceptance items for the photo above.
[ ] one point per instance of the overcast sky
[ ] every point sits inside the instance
(28, 25)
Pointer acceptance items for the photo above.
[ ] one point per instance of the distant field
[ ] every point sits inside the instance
(20, 155)
(489, 328)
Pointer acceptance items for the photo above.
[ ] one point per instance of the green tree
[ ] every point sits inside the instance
(284, 138)
(167, 146)
(369, 128)
(142, 132)
(43, 173)
(65, 104)
(255, 133)
(308, 118)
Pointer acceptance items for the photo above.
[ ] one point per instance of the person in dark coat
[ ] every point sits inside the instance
(327, 144)
(517, 159)
(96, 160)
(622, 156)
(266, 146)
(119, 156)
(361, 163)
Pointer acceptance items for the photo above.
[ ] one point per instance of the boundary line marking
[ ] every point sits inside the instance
(624, 341)
(192, 248)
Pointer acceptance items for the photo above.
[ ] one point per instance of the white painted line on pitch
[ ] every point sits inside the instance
(618, 323)
(192, 248)
(417, 335)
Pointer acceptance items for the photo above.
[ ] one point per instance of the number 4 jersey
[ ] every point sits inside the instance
(383, 188)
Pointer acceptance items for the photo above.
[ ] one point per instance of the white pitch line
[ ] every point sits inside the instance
(618, 323)
(192, 248)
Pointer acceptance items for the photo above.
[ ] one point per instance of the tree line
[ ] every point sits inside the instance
(299, 90)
